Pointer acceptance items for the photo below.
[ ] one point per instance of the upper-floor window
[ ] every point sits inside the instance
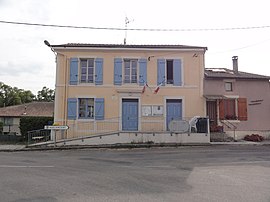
(130, 71)
(228, 86)
(169, 71)
(87, 70)
(86, 108)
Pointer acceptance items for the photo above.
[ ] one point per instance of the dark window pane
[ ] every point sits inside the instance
(169, 69)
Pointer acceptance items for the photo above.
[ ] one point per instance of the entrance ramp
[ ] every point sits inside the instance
(181, 132)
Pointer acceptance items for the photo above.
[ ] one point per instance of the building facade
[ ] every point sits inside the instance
(238, 103)
(130, 88)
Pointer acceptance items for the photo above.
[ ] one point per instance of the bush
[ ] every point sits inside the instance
(33, 123)
(254, 138)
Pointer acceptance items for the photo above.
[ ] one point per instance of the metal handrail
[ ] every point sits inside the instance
(229, 125)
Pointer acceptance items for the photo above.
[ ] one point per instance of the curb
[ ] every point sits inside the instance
(133, 146)
(114, 146)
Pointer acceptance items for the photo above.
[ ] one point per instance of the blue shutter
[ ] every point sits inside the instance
(99, 108)
(161, 72)
(142, 71)
(72, 108)
(118, 71)
(177, 73)
(73, 71)
(99, 71)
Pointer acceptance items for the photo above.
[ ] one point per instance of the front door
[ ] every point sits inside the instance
(211, 110)
(173, 110)
(130, 114)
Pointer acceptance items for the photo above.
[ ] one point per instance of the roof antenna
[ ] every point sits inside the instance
(127, 21)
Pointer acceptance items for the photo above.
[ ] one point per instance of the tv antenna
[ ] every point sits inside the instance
(127, 21)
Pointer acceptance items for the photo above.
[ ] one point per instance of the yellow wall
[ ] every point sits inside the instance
(191, 92)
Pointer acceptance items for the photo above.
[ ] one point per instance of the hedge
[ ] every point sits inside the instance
(33, 123)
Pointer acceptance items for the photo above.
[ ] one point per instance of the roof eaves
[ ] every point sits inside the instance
(129, 46)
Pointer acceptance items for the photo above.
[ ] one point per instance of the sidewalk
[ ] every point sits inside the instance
(242, 142)
(11, 147)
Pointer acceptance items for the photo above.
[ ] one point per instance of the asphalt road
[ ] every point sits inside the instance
(209, 173)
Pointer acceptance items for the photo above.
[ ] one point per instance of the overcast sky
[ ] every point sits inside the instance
(25, 61)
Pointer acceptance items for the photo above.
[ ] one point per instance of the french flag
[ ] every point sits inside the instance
(157, 88)
(144, 87)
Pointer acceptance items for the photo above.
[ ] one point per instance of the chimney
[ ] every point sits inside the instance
(235, 64)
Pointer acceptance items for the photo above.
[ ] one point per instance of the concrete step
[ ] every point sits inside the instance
(220, 137)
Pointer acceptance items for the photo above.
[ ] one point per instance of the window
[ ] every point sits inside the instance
(130, 71)
(228, 86)
(169, 71)
(233, 109)
(8, 121)
(86, 108)
(87, 70)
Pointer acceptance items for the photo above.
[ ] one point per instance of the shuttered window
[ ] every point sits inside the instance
(242, 109)
(86, 70)
(233, 109)
(88, 108)
(72, 108)
(130, 71)
(169, 71)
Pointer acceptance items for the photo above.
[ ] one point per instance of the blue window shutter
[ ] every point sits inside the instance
(99, 71)
(72, 108)
(177, 72)
(118, 71)
(73, 71)
(161, 72)
(99, 108)
(142, 71)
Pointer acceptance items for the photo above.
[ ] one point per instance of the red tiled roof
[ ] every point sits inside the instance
(85, 45)
(43, 109)
(230, 74)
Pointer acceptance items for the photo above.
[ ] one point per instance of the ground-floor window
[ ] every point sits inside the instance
(229, 109)
(233, 109)
(86, 108)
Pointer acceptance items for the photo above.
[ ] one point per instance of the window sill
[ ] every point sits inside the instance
(232, 121)
(85, 119)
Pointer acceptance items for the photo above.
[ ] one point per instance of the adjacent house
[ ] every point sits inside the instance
(127, 88)
(10, 116)
(238, 103)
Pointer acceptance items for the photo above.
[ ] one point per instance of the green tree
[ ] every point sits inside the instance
(45, 94)
(13, 96)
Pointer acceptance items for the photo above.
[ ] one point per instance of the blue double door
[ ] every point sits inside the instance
(173, 110)
(130, 114)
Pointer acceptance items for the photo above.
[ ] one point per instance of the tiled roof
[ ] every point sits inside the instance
(84, 45)
(230, 74)
(29, 109)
